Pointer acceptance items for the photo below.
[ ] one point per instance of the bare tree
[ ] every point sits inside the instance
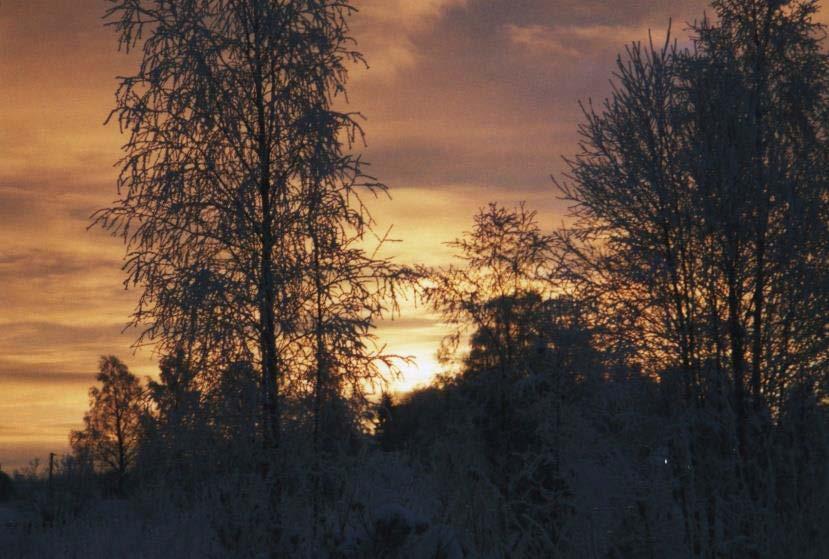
(240, 203)
(772, 52)
(700, 227)
(209, 206)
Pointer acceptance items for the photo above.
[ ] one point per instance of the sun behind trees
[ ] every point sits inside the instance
(650, 381)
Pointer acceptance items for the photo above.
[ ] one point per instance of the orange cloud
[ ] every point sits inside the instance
(575, 41)
(387, 29)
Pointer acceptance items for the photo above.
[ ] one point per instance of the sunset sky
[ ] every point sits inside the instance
(467, 102)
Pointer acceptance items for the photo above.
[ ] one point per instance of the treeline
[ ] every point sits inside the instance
(649, 381)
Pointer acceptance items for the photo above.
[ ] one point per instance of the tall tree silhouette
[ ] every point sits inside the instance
(770, 209)
(240, 204)
(700, 201)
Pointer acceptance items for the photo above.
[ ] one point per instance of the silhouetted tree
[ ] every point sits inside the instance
(521, 327)
(700, 200)
(175, 394)
(234, 178)
(177, 427)
(112, 426)
(500, 286)
(502, 298)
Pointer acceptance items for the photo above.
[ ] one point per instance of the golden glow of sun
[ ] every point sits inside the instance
(419, 373)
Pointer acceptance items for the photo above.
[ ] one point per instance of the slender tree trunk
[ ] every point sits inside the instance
(267, 323)
(761, 184)
(681, 320)
(757, 318)
(737, 359)
(761, 230)
(320, 376)
(270, 372)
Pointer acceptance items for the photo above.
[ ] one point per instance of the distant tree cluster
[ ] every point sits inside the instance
(650, 381)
